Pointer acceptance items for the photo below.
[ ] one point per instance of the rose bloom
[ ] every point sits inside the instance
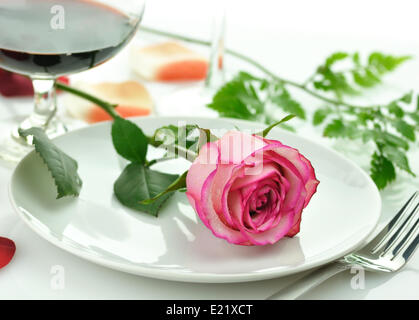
(250, 190)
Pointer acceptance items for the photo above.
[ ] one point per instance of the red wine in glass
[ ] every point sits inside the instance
(45, 39)
(29, 44)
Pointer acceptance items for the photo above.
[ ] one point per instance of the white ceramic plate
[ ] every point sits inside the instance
(177, 246)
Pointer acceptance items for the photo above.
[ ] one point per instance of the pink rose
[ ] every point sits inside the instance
(249, 190)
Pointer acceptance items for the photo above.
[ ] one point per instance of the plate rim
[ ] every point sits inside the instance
(198, 277)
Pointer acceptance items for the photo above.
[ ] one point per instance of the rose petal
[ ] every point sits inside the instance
(201, 168)
(7, 251)
(236, 146)
(215, 224)
(306, 171)
(269, 169)
(226, 178)
(16, 85)
(268, 237)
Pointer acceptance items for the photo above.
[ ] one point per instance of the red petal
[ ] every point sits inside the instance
(64, 80)
(7, 251)
(16, 85)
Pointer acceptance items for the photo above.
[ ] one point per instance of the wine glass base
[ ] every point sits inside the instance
(12, 151)
(13, 147)
(54, 129)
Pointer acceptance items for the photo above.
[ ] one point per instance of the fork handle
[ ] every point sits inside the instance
(308, 282)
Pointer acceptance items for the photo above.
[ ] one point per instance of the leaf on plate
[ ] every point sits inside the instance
(191, 136)
(129, 140)
(178, 184)
(138, 183)
(63, 168)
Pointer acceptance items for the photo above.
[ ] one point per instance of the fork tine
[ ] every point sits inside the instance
(392, 230)
(410, 249)
(404, 228)
(410, 239)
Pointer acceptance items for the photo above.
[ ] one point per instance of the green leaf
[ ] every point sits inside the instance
(245, 76)
(414, 116)
(138, 183)
(335, 57)
(407, 98)
(171, 134)
(320, 115)
(365, 78)
(355, 58)
(288, 104)
(395, 109)
(397, 157)
(393, 140)
(63, 168)
(382, 170)
(368, 135)
(265, 132)
(385, 63)
(264, 85)
(236, 99)
(178, 184)
(191, 137)
(335, 82)
(335, 129)
(329, 78)
(129, 140)
(365, 116)
(405, 129)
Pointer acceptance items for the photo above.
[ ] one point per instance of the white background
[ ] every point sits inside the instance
(291, 38)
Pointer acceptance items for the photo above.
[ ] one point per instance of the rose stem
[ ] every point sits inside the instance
(110, 109)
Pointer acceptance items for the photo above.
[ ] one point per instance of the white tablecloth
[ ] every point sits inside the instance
(290, 38)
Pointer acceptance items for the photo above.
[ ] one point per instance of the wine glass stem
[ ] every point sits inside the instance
(43, 115)
(45, 102)
(215, 75)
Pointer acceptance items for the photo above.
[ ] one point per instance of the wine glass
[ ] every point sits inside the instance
(192, 98)
(45, 39)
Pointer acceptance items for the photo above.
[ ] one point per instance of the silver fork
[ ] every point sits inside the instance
(387, 252)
